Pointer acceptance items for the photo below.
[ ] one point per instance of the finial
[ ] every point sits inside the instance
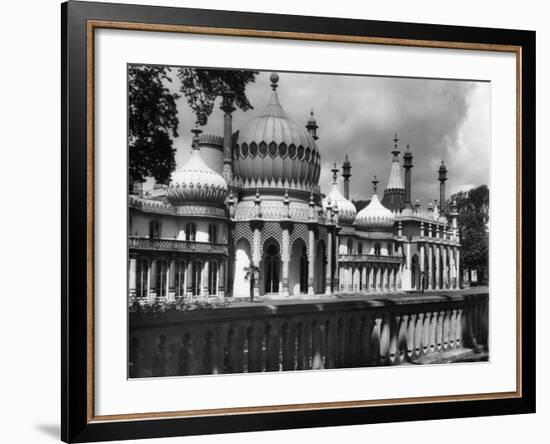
(257, 194)
(274, 77)
(395, 150)
(375, 184)
(334, 174)
(311, 202)
(196, 131)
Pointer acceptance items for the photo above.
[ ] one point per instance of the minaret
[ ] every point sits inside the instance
(407, 164)
(227, 108)
(442, 180)
(346, 174)
(334, 174)
(394, 194)
(312, 126)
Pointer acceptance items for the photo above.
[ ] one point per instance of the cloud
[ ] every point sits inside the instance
(358, 115)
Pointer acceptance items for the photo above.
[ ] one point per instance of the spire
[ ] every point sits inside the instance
(195, 142)
(375, 185)
(312, 126)
(273, 107)
(395, 150)
(335, 174)
(346, 174)
(442, 179)
(407, 165)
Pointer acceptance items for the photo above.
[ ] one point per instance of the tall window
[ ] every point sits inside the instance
(377, 248)
(196, 274)
(154, 229)
(360, 248)
(190, 231)
(161, 283)
(142, 268)
(271, 265)
(213, 233)
(213, 278)
(304, 266)
(179, 278)
(350, 246)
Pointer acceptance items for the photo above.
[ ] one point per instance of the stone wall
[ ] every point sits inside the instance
(307, 335)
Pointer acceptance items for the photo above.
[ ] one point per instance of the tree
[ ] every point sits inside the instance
(251, 273)
(152, 117)
(473, 218)
(201, 87)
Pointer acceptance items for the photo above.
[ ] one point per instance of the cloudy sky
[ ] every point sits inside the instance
(358, 115)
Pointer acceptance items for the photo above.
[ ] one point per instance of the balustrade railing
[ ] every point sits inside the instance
(142, 243)
(375, 258)
(320, 335)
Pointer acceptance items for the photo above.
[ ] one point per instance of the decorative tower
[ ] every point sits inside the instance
(227, 108)
(312, 126)
(394, 194)
(442, 180)
(346, 174)
(407, 164)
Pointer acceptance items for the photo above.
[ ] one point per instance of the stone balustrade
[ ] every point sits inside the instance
(307, 335)
(142, 243)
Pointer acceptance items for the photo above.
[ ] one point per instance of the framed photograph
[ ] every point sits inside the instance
(275, 221)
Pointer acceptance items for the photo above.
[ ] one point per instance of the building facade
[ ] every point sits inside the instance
(245, 217)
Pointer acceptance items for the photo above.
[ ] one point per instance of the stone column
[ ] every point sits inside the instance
(311, 263)
(444, 267)
(458, 274)
(429, 276)
(256, 256)
(364, 279)
(151, 273)
(132, 279)
(437, 264)
(285, 257)
(221, 279)
(189, 280)
(205, 276)
(422, 267)
(169, 296)
(328, 277)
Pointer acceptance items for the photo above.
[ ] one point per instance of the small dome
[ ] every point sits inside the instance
(346, 209)
(375, 217)
(195, 182)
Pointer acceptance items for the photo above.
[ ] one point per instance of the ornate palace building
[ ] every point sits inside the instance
(245, 217)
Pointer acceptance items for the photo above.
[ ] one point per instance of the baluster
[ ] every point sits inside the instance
(394, 333)
(458, 331)
(316, 354)
(237, 349)
(330, 338)
(433, 332)
(300, 344)
(402, 338)
(418, 334)
(446, 323)
(353, 342)
(375, 340)
(452, 329)
(385, 339)
(426, 332)
(410, 336)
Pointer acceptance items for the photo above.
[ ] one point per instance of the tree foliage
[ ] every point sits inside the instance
(473, 219)
(201, 87)
(152, 118)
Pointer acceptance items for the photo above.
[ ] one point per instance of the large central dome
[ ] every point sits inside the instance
(271, 151)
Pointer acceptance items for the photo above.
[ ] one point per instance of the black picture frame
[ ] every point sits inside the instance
(76, 423)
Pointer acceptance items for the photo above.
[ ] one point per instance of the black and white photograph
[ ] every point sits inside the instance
(283, 221)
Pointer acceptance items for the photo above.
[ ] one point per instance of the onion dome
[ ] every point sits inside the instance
(272, 151)
(346, 209)
(196, 183)
(375, 216)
